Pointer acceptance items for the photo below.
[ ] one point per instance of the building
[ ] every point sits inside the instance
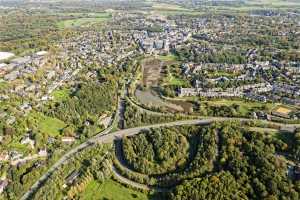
(4, 156)
(27, 140)
(255, 97)
(3, 185)
(71, 178)
(68, 140)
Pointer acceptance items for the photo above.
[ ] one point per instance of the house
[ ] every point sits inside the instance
(4, 156)
(43, 153)
(12, 76)
(14, 155)
(71, 178)
(25, 107)
(255, 97)
(159, 44)
(2, 65)
(297, 172)
(41, 53)
(27, 140)
(11, 120)
(68, 140)
(3, 185)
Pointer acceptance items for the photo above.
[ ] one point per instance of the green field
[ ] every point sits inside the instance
(176, 81)
(84, 20)
(61, 95)
(169, 57)
(110, 190)
(45, 124)
(245, 106)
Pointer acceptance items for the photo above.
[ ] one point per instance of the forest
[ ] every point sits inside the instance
(86, 103)
(225, 160)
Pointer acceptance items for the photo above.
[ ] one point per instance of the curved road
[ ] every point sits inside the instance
(103, 137)
(107, 137)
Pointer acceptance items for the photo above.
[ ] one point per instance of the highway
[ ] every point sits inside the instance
(108, 137)
(104, 137)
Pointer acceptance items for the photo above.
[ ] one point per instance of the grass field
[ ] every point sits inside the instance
(61, 95)
(251, 5)
(274, 2)
(45, 124)
(110, 190)
(51, 126)
(169, 57)
(84, 20)
(169, 9)
(176, 81)
(270, 131)
(245, 106)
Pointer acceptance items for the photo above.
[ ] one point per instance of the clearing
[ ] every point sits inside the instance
(84, 21)
(245, 106)
(110, 190)
(152, 69)
(61, 95)
(47, 125)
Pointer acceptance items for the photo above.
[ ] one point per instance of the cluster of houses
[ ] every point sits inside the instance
(17, 158)
(266, 90)
(22, 66)
(158, 34)
(90, 48)
(242, 91)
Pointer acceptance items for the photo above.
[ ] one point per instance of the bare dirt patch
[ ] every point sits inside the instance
(151, 71)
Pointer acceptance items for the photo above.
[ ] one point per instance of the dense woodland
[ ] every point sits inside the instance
(86, 103)
(135, 117)
(225, 161)
(156, 151)
(91, 164)
(247, 166)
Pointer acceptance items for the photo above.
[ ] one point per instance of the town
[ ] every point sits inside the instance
(147, 96)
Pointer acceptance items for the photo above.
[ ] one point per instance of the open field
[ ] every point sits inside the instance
(150, 99)
(176, 81)
(261, 5)
(274, 2)
(271, 131)
(151, 71)
(51, 126)
(110, 190)
(169, 57)
(47, 125)
(87, 19)
(244, 106)
(171, 7)
(61, 95)
(283, 110)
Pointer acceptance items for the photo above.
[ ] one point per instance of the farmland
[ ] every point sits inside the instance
(82, 20)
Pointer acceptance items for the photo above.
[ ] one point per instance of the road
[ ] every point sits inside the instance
(135, 184)
(108, 137)
(104, 137)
